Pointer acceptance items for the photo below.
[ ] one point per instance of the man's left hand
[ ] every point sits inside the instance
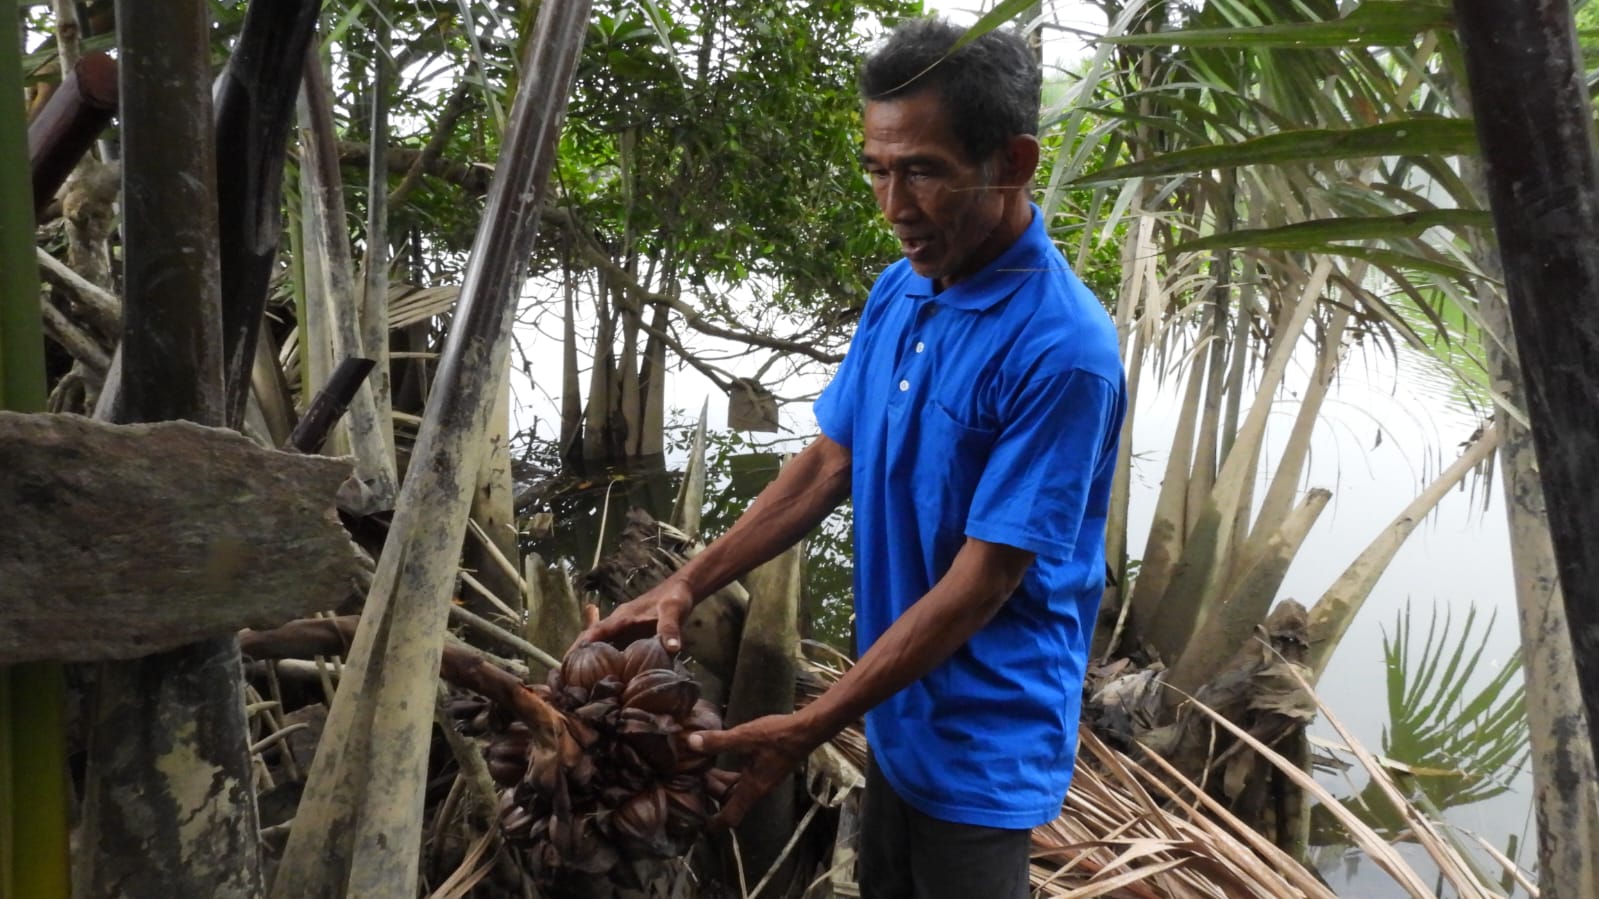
(772, 747)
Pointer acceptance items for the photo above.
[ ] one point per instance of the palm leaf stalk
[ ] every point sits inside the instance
(374, 311)
(1568, 817)
(357, 830)
(334, 291)
(255, 99)
(1534, 123)
(166, 722)
(33, 797)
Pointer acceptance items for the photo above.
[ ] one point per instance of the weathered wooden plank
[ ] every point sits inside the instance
(124, 540)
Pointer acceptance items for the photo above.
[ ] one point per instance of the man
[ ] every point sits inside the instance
(974, 422)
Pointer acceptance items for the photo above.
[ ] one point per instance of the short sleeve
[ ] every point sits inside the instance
(835, 408)
(1050, 465)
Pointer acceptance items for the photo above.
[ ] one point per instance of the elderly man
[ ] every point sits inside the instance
(974, 424)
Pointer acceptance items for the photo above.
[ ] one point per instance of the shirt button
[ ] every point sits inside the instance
(904, 385)
(920, 346)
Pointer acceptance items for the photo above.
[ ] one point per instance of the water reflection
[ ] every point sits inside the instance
(1456, 735)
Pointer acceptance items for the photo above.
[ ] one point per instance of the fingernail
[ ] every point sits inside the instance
(671, 643)
(696, 742)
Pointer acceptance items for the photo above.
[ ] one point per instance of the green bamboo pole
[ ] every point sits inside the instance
(33, 801)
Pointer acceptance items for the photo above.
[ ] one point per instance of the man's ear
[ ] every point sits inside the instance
(1020, 160)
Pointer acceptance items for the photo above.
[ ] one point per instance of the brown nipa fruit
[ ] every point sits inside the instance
(588, 664)
(621, 782)
(644, 655)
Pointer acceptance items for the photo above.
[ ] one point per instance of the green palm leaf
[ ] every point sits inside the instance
(1384, 24)
(1411, 137)
(1305, 235)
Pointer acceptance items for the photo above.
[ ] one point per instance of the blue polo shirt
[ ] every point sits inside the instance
(990, 410)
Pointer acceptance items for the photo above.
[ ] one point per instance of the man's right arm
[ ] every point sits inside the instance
(809, 487)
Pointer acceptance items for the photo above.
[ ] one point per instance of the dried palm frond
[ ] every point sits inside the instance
(1139, 829)
(1116, 839)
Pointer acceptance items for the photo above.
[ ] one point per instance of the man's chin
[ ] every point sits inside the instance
(929, 270)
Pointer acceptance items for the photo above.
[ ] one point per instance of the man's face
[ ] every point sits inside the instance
(940, 203)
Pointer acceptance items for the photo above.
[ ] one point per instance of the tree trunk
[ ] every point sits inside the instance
(1536, 130)
(374, 308)
(169, 807)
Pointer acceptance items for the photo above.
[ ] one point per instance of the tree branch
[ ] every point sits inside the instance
(639, 295)
(454, 108)
(472, 177)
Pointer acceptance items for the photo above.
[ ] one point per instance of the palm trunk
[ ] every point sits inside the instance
(359, 828)
(652, 425)
(1285, 481)
(1565, 782)
(169, 805)
(763, 684)
(571, 384)
(493, 510)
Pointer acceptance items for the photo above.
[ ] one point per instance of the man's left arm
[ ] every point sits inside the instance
(978, 582)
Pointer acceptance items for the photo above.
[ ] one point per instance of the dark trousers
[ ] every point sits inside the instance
(908, 855)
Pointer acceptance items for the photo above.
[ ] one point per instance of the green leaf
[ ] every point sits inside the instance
(1381, 24)
(993, 19)
(1394, 260)
(1412, 137)
(1302, 235)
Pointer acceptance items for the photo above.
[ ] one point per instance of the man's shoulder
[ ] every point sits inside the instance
(1064, 326)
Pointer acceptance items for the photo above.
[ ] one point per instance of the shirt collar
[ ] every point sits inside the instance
(994, 281)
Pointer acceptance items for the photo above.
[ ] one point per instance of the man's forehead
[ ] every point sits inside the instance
(910, 121)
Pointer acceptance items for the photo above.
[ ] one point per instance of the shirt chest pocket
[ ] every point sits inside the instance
(945, 457)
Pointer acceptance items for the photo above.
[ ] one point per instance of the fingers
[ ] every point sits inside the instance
(591, 627)
(734, 739)
(737, 805)
(670, 612)
(621, 627)
(670, 631)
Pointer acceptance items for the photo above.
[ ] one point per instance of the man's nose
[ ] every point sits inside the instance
(898, 203)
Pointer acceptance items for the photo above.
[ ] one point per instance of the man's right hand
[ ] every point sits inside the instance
(660, 612)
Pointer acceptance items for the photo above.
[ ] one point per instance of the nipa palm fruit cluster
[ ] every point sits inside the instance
(621, 783)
